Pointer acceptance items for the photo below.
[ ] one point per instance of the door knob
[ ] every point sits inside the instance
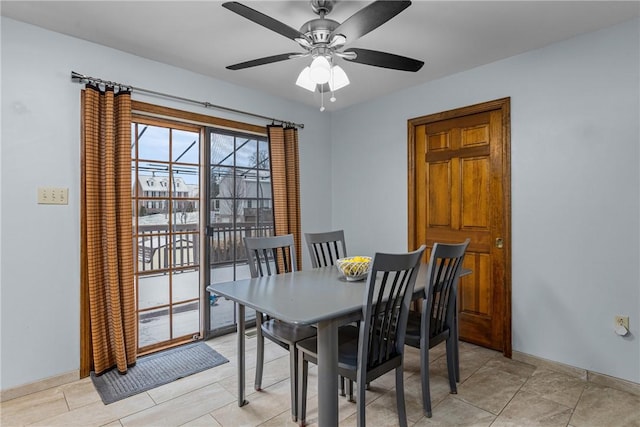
(499, 243)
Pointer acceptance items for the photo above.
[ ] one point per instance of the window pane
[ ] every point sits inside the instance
(152, 247)
(153, 327)
(153, 143)
(179, 187)
(190, 176)
(263, 155)
(219, 174)
(222, 312)
(265, 184)
(155, 212)
(186, 319)
(153, 291)
(185, 287)
(186, 215)
(185, 147)
(184, 247)
(247, 152)
(222, 147)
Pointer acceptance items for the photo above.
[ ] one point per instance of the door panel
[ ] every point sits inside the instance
(439, 207)
(474, 183)
(458, 188)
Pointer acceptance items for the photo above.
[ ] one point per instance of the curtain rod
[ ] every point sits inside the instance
(82, 78)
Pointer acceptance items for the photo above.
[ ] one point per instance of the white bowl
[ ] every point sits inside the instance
(354, 268)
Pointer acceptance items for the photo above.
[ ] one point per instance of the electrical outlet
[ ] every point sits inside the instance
(622, 321)
(53, 196)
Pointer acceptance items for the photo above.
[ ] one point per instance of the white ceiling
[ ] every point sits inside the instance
(204, 37)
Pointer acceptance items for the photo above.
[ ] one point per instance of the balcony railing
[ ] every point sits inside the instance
(155, 244)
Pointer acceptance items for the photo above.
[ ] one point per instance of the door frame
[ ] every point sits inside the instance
(504, 105)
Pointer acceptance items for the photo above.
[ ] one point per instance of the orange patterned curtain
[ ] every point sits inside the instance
(107, 229)
(285, 182)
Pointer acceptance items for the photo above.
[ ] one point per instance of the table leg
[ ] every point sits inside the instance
(328, 374)
(240, 321)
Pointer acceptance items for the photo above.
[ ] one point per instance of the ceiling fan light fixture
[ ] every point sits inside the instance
(323, 40)
(338, 78)
(320, 70)
(304, 80)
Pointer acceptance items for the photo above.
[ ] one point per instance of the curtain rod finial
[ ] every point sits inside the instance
(78, 76)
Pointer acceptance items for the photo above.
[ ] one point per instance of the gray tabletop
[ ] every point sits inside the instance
(301, 297)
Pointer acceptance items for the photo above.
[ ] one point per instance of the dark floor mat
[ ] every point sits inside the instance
(155, 370)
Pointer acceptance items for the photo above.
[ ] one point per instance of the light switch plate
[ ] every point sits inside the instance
(53, 196)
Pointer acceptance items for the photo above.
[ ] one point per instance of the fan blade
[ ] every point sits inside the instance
(384, 60)
(264, 20)
(262, 61)
(369, 18)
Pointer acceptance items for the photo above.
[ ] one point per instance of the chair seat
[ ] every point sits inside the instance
(287, 333)
(412, 336)
(347, 347)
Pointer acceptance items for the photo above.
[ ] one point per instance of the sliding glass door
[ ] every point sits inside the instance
(198, 191)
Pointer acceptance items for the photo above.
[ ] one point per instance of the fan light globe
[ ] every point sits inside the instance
(304, 80)
(338, 78)
(320, 71)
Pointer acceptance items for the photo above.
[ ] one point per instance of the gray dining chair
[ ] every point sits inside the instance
(437, 320)
(379, 347)
(266, 256)
(325, 247)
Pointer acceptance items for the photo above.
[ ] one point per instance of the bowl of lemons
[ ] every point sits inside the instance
(354, 268)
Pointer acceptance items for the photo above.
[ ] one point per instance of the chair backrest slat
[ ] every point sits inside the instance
(325, 248)
(266, 254)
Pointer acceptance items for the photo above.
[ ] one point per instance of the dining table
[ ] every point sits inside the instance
(320, 297)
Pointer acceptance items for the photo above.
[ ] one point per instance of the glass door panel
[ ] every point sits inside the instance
(165, 168)
(239, 205)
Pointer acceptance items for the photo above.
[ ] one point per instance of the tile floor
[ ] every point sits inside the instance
(494, 391)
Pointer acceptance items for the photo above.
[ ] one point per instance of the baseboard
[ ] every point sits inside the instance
(594, 377)
(23, 390)
(613, 382)
(584, 374)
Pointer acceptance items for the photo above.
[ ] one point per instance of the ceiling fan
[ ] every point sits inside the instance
(323, 39)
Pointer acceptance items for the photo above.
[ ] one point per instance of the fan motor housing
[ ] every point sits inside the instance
(319, 30)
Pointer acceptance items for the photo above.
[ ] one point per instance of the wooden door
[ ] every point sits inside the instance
(459, 182)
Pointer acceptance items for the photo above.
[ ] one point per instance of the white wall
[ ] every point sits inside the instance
(575, 188)
(40, 268)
